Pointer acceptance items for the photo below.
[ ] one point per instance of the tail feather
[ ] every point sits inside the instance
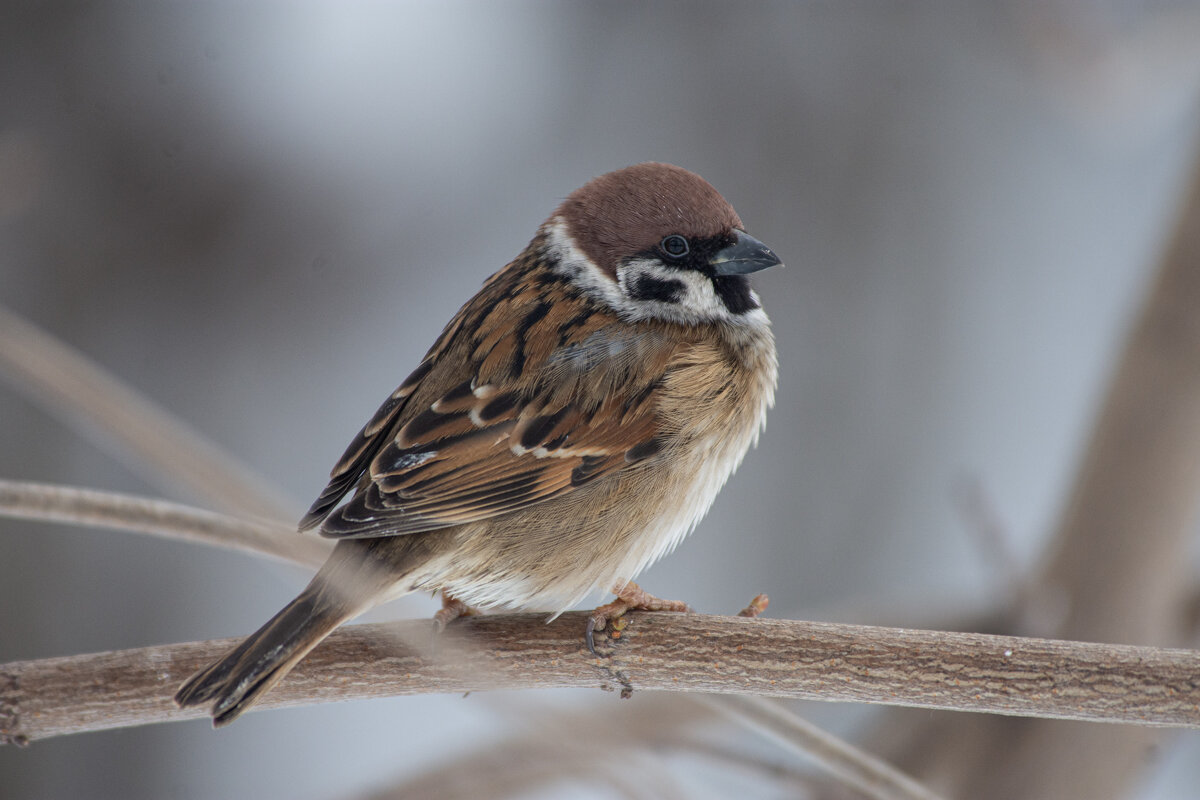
(238, 679)
(359, 574)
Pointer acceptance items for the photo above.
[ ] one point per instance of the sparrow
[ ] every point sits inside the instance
(571, 425)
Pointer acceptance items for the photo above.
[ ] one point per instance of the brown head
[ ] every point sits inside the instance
(656, 241)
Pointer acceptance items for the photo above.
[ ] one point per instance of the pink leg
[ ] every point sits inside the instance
(452, 608)
(630, 597)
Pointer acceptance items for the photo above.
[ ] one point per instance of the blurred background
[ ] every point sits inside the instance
(261, 214)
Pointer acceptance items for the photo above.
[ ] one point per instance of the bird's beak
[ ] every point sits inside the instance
(744, 256)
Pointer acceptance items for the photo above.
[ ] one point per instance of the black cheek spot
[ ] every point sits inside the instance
(734, 293)
(664, 290)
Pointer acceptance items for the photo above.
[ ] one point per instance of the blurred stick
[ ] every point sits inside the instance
(1117, 569)
(654, 723)
(853, 767)
(673, 652)
(157, 445)
(97, 509)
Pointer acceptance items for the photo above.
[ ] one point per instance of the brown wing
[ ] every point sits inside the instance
(475, 458)
(378, 431)
(353, 463)
(536, 400)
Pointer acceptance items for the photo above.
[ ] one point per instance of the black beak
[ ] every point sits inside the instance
(744, 256)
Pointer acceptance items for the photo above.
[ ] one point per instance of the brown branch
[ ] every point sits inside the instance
(49, 503)
(42, 502)
(673, 652)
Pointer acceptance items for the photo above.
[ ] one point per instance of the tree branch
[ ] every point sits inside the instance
(672, 652)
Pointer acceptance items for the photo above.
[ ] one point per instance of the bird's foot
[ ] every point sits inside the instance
(452, 608)
(630, 597)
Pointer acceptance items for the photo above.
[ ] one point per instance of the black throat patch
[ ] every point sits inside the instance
(734, 292)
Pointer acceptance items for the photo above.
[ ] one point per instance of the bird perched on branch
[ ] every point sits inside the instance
(572, 423)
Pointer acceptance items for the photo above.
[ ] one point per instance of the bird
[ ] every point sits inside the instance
(572, 424)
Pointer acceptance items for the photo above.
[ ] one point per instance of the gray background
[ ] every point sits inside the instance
(262, 214)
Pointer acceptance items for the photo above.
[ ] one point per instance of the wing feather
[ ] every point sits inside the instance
(535, 409)
(353, 463)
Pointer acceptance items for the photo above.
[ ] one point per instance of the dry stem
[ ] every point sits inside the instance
(873, 777)
(157, 444)
(98, 509)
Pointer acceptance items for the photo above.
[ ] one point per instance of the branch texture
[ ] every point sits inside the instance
(673, 652)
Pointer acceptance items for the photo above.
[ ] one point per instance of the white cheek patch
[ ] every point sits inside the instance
(695, 302)
(695, 294)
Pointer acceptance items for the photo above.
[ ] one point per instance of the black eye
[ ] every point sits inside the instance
(675, 246)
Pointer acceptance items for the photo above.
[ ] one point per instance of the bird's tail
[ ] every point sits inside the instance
(359, 574)
(236, 681)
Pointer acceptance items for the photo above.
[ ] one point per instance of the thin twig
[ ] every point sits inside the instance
(673, 652)
(506, 766)
(657, 723)
(873, 777)
(97, 509)
(156, 444)
(990, 534)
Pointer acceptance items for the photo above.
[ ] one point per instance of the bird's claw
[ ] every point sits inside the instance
(589, 634)
(452, 608)
(630, 597)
